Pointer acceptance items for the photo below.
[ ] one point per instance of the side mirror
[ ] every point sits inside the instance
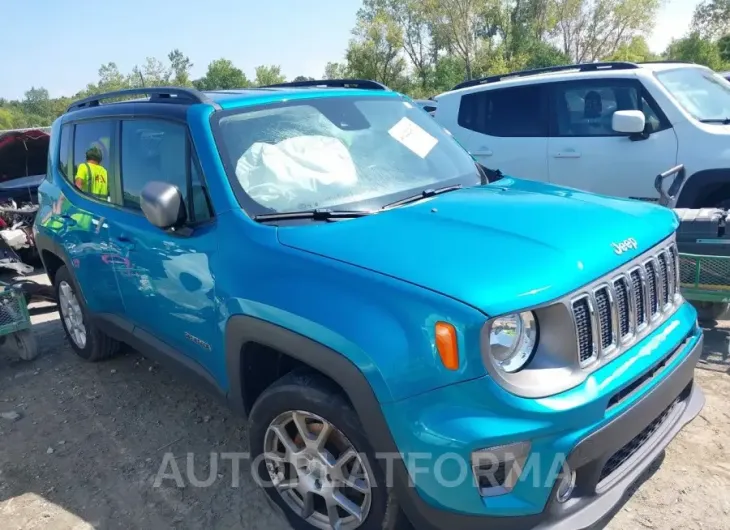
(163, 205)
(628, 121)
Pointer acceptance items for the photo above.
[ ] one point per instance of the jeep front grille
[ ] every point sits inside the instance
(627, 303)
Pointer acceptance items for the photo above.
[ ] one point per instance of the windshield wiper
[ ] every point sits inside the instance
(318, 214)
(723, 121)
(425, 194)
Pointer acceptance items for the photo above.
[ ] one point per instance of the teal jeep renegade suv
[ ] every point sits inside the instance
(407, 332)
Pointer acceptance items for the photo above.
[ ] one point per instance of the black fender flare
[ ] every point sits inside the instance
(45, 243)
(241, 329)
(693, 190)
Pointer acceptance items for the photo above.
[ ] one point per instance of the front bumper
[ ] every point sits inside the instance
(607, 461)
(639, 436)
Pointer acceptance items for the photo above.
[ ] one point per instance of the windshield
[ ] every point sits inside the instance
(329, 152)
(702, 93)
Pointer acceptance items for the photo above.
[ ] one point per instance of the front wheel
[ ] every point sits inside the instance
(313, 458)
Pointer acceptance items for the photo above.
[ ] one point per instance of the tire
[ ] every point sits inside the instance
(96, 345)
(710, 311)
(308, 393)
(24, 344)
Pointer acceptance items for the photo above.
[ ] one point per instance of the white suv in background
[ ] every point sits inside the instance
(608, 128)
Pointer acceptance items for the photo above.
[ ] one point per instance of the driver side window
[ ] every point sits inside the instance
(586, 108)
(160, 150)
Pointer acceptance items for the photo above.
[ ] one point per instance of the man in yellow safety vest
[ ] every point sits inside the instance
(91, 176)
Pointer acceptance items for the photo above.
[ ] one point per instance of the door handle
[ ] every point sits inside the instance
(568, 153)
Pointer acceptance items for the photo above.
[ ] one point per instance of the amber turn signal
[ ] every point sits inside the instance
(446, 345)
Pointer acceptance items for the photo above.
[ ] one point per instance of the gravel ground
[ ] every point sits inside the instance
(91, 438)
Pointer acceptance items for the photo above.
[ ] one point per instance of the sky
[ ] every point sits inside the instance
(61, 45)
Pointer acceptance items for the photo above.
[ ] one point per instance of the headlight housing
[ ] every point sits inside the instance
(513, 340)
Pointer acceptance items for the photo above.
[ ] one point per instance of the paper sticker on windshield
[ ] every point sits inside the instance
(413, 137)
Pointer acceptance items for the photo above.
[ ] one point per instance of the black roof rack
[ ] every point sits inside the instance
(156, 94)
(333, 83)
(584, 67)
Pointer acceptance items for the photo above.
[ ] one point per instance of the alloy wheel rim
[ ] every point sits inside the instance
(317, 471)
(72, 315)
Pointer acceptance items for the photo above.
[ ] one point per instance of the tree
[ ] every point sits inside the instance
(591, 29)
(723, 46)
(411, 17)
(110, 80)
(181, 66)
(461, 25)
(269, 75)
(636, 51)
(375, 52)
(448, 72)
(222, 74)
(8, 119)
(37, 102)
(694, 48)
(336, 71)
(711, 19)
(303, 78)
(153, 73)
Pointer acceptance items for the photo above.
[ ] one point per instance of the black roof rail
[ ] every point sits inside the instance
(156, 94)
(366, 84)
(584, 67)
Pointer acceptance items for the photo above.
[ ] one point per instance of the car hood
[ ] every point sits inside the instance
(500, 248)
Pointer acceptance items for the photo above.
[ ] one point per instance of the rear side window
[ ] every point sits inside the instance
(91, 163)
(159, 150)
(508, 112)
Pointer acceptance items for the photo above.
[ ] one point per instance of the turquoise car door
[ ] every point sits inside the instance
(166, 279)
(78, 222)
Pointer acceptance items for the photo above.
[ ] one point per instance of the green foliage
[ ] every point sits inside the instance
(637, 51)
(336, 71)
(221, 75)
(269, 75)
(375, 52)
(696, 49)
(723, 46)
(711, 19)
(425, 47)
(180, 65)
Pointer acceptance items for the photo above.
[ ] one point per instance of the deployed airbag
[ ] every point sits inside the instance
(284, 173)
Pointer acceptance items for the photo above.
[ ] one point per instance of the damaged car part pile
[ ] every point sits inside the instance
(23, 157)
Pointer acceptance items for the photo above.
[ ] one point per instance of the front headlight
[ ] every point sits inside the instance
(512, 340)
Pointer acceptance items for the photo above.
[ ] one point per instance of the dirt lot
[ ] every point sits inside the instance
(90, 439)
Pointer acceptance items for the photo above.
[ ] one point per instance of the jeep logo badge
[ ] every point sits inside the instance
(624, 246)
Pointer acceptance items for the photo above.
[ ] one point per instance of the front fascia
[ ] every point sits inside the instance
(479, 414)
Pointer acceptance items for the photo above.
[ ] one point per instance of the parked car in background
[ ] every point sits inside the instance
(428, 105)
(339, 269)
(608, 128)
